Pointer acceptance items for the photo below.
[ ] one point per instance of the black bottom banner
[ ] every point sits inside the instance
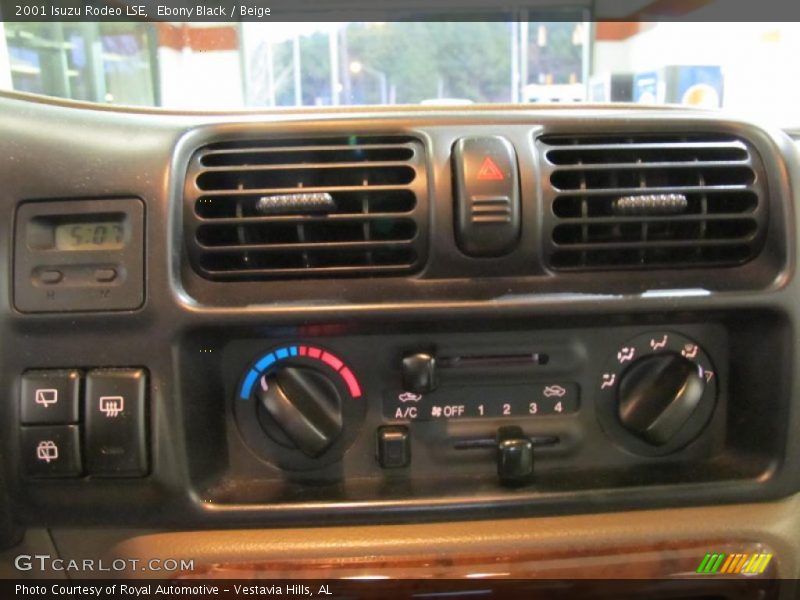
(701, 588)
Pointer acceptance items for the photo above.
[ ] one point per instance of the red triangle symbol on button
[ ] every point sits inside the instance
(489, 171)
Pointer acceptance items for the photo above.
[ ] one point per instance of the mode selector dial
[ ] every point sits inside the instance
(658, 394)
(305, 404)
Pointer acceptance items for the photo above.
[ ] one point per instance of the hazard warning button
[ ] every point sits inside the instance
(486, 196)
(489, 171)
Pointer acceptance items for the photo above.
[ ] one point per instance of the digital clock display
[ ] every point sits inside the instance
(100, 235)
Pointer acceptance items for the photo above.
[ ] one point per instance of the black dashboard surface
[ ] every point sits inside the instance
(194, 336)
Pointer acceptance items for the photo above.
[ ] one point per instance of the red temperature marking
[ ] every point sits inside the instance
(314, 352)
(351, 381)
(330, 360)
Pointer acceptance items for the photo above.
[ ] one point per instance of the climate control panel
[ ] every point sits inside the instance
(471, 388)
(521, 405)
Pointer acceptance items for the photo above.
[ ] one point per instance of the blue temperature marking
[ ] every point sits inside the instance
(265, 362)
(262, 365)
(247, 386)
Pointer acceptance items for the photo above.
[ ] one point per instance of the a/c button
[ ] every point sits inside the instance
(394, 447)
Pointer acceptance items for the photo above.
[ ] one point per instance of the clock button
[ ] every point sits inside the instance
(105, 275)
(50, 277)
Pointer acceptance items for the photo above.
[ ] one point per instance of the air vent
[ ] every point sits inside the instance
(302, 208)
(651, 201)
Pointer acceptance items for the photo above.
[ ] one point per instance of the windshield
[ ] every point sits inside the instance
(740, 67)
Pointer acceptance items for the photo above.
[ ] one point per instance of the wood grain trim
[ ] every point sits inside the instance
(657, 561)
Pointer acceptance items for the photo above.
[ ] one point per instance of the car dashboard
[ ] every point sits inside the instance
(292, 340)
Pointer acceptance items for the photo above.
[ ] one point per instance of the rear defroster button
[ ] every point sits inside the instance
(116, 429)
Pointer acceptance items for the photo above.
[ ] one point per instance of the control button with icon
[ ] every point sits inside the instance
(115, 427)
(107, 406)
(50, 396)
(51, 451)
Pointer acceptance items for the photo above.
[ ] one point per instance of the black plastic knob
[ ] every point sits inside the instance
(657, 396)
(305, 405)
(514, 456)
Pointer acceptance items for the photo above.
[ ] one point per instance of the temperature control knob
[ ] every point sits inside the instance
(304, 404)
(658, 394)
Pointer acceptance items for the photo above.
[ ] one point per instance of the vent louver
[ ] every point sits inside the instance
(303, 208)
(651, 201)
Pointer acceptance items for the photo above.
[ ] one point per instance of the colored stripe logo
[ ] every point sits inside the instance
(718, 563)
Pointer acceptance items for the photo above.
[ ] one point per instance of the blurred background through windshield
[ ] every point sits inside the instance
(747, 68)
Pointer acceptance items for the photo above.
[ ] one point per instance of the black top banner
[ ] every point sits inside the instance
(198, 11)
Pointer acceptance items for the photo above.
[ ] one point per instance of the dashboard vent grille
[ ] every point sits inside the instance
(651, 201)
(312, 207)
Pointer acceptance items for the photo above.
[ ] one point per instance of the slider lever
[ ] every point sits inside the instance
(514, 456)
(478, 443)
(421, 369)
(514, 452)
(419, 373)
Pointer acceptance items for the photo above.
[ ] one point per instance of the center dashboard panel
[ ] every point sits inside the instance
(531, 417)
(392, 317)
